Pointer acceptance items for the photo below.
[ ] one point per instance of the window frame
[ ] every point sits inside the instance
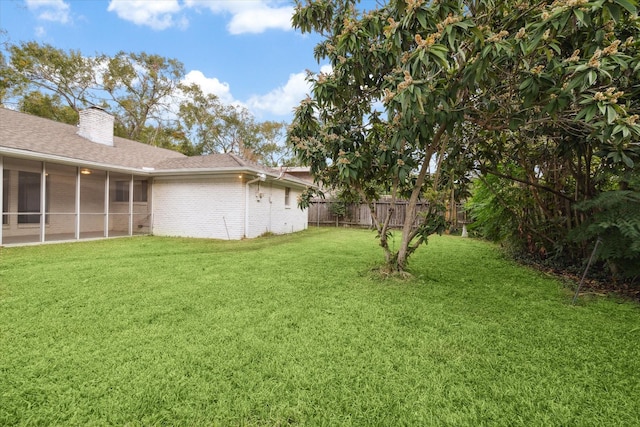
(287, 197)
(140, 191)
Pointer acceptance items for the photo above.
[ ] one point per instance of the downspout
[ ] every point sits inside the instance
(261, 177)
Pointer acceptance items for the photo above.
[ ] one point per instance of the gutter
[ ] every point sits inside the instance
(144, 171)
(69, 161)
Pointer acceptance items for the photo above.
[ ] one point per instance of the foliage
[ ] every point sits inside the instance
(550, 87)
(48, 106)
(146, 94)
(614, 217)
(492, 208)
(169, 331)
(217, 128)
(140, 86)
(273, 150)
(338, 208)
(67, 75)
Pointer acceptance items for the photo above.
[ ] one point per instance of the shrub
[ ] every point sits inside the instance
(614, 217)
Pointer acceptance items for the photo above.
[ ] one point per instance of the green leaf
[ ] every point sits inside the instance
(615, 12)
(611, 114)
(631, 8)
(452, 38)
(422, 19)
(627, 160)
(525, 84)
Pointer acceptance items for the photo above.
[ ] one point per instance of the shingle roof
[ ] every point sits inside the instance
(48, 138)
(38, 135)
(202, 162)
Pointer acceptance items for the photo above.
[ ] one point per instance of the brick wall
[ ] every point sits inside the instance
(215, 208)
(269, 212)
(96, 125)
(198, 207)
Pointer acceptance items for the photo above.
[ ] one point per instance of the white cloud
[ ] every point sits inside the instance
(50, 10)
(210, 86)
(155, 14)
(249, 16)
(261, 19)
(326, 69)
(40, 32)
(282, 100)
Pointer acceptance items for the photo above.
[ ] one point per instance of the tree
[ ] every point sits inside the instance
(66, 75)
(271, 149)
(214, 127)
(217, 128)
(169, 137)
(137, 88)
(452, 72)
(142, 91)
(141, 87)
(4, 83)
(48, 106)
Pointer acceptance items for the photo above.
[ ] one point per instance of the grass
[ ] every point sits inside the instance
(296, 330)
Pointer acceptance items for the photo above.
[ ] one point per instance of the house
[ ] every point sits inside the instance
(62, 182)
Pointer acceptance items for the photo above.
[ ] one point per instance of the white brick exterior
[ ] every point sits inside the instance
(62, 182)
(268, 213)
(96, 125)
(215, 207)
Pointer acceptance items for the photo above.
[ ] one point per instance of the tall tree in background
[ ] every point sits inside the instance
(145, 94)
(217, 128)
(442, 69)
(214, 127)
(4, 84)
(48, 106)
(66, 75)
(273, 151)
(141, 86)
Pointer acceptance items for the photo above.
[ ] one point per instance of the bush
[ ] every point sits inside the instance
(614, 217)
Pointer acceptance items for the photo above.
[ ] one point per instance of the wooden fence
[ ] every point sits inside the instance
(359, 215)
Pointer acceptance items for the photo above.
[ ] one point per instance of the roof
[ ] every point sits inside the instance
(215, 160)
(25, 135)
(41, 136)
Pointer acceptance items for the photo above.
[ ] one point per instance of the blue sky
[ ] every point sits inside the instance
(244, 51)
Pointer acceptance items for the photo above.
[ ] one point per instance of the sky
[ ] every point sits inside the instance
(244, 51)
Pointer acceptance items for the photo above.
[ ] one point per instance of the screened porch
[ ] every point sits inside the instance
(48, 202)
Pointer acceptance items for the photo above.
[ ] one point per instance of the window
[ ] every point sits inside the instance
(287, 192)
(140, 190)
(5, 196)
(28, 197)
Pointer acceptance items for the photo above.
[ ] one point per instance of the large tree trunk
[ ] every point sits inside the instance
(399, 263)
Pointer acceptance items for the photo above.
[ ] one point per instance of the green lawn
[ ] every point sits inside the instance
(297, 330)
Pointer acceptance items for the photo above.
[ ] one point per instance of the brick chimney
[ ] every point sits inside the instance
(96, 125)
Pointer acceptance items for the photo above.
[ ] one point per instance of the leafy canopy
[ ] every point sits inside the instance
(448, 73)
